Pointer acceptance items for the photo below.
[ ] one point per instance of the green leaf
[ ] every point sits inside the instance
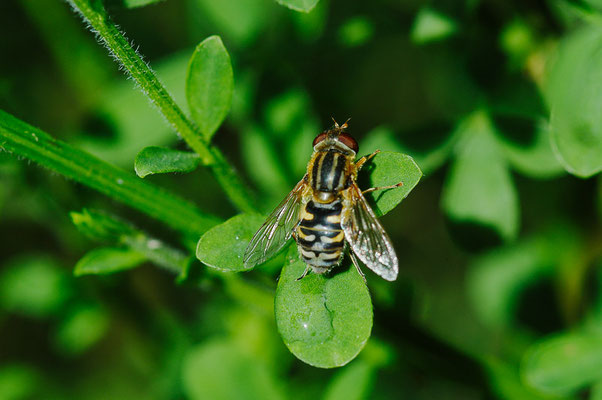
(26, 141)
(574, 93)
(354, 382)
(596, 393)
(209, 85)
(18, 382)
(219, 370)
(356, 31)
(497, 279)
(536, 159)
(223, 246)
(159, 160)
(388, 168)
(104, 227)
(431, 25)
(139, 3)
(33, 286)
(383, 138)
(299, 5)
(479, 187)
(325, 321)
(564, 363)
(107, 260)
(82, 328)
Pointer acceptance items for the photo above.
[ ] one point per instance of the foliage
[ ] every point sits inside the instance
(497, 104)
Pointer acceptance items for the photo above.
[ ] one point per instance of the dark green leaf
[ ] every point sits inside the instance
(538, 159)
(356, 31)
(223, 246)
(575, 97)
(431, 25)
(104, 227)
(209, 85)
(33, 286)
(219, 370)
(565, 363)
(299, 5)
(159, 160)
(479, 187)
(388, 168)
(325, 321)
(107, 260)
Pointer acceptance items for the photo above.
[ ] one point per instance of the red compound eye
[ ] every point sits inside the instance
(319, 138)
(348, 141)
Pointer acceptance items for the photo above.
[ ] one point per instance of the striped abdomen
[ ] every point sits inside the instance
(319, 236)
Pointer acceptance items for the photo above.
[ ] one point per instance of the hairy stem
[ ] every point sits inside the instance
(93, 12)
(24, 140)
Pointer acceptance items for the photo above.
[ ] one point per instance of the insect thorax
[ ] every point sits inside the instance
(329, 174)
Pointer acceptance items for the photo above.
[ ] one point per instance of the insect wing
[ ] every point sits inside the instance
(367, 238)
(276, 230)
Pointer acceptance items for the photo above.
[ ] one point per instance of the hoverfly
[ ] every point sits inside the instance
(325, 210)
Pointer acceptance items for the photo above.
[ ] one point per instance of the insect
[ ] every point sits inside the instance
(326, 210)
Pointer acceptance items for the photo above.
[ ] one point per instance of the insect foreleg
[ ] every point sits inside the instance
(382, 188)
(307, 268)
(360, 163)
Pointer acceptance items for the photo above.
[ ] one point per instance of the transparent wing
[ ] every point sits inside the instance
(276, 230)
(367, 238)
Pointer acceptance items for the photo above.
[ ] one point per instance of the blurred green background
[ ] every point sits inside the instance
(500, 245)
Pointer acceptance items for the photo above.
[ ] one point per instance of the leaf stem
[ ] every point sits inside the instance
(18, 137)
(95, 15)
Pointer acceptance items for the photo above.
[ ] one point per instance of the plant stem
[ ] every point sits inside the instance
(18, 137)
(93, 12)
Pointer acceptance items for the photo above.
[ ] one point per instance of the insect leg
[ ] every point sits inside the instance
(360, 163)
(357, 265)
(382, 188)
(307, 268)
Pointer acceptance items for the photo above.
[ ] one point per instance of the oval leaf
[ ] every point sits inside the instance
(223, 246)
(299, 5)
(107, 260)
(209, 85)
(479, 187)
(575, 97)
(388, 168)
(325, 321)
(565, 363)
(159, 160)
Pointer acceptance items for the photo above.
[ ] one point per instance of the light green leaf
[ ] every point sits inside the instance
(159, 160)
(100, 226)
(107, 260)
(354, 382)
(325, 321)
(565, 363)
(388, 168)
(479, 187)
(596, 393)
(299, 5)
(535, 159)
(82, 328)
(33, 286)
(431, 25)
(223, 246)
(574, 92)
(219, 370)
(209, 85)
